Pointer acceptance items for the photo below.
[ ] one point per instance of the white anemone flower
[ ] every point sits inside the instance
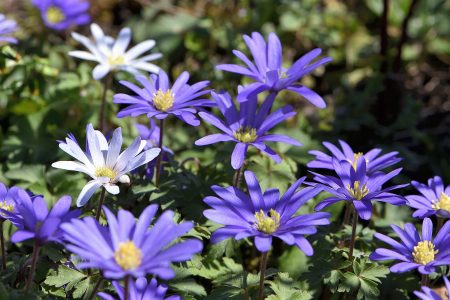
(112, 55)
(103, 162)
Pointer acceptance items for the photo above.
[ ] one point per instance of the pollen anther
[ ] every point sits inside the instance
(424, 252)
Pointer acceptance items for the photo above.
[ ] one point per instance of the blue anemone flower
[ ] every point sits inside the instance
(414, 251)
(268, 71)
(264, 215)
(129, 247)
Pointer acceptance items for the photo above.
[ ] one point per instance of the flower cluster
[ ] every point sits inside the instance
(128, 251)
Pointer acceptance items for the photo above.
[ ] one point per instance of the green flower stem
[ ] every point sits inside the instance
(352, 242)
(2, 246)
(440, 222)
(100, 203)
(348, 210)
(238, 176)
(106, 85)
(425, 280)
(159, 161)
(36, 249)
(262, 271)
(127, 287)
(96, 287)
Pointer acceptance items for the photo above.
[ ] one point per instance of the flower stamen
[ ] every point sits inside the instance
(105, 172)
(356, 156)
(116, 60)
(245, 135)
(267, 224)
(54, 15)
(5, 206)
(424, 252)
(443, 202)
(357, 191)
(163, 101)
(128, 256)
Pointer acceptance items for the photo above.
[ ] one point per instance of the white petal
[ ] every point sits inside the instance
(87, 192)
(127, 155)
(142, 146)
(102, 140)
(94, 147)
(139, 49)
(114, 147)
(100, 71)
(122, 41)
(112, 188)
(87, 43)
(146, 66)
(124, 179)
(72, 166)
(74, 149)
(83, 55)
(142, 159)
(97, 32)
(150, 57)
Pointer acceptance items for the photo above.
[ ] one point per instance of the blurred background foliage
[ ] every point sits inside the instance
(388, 86)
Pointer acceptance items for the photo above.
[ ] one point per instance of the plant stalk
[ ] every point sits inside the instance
(127, 287)
(34, 257)
(96, 287)
(262, 271)
(100, 203)
(347, 213)
(352, 242)
(425, 280)
(106, 85)
(160, 156)
(440, 222)
(238, 176)
(2, 246)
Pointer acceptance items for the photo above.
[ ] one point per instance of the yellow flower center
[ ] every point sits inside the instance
(356, 156)
(442, 203)
(267, 224)
(424, 252)
(163, 100)
(54, 15)
(128, 256)
(245, 135)
(116, 60)
(357, 191)
(5, 206)
(105, 172)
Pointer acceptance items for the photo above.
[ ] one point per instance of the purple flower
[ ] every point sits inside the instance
(9, 201)
(6, 28)
(246, 127)
(435, 199)
(62, 14)
(157, 99)
(415, 252)
(141, 290)
(354, 185)
(40, 224)
(130, 247)
(151, 136)
(429, 294)
(269, 73)
(373, 160)
(264, 215)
